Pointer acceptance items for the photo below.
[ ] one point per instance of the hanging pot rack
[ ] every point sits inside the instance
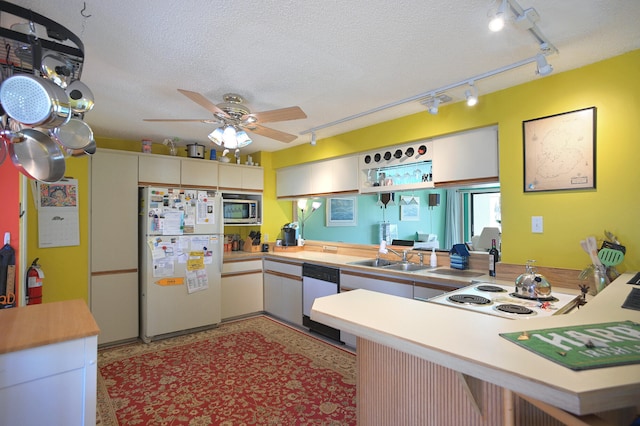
(56, 33)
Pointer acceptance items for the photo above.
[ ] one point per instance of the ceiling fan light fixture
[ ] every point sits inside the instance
(216, 136)
(229, 137)
(243, 139)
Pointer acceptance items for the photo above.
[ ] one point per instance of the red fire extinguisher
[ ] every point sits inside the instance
(34, 283)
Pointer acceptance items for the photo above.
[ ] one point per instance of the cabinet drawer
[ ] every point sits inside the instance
(36, 363)
(284, 268)
(243, 266)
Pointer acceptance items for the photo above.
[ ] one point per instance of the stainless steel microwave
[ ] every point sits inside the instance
(241, 211)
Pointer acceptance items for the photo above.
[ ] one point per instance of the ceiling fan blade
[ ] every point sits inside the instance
(204, 102)
(283, 114)
(201, 120)
(271, 133)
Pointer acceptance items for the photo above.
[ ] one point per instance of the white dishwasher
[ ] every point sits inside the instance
(318, 281)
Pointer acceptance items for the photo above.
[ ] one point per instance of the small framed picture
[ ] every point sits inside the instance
(409, 209)
(342, 211)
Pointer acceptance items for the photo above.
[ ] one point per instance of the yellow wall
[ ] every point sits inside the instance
(66, 269)
(569, 216)
(612, 86)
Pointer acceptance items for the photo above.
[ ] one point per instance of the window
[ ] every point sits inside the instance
(485, 211)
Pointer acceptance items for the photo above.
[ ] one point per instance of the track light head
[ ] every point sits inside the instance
(471, 95)
(496, 23)
(543, 67)
(433, 109)
(313, 139)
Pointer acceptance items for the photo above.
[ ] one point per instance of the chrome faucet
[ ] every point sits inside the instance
(384, 250)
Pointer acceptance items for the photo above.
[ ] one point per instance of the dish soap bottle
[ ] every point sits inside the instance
(493, 258)
(433, 261)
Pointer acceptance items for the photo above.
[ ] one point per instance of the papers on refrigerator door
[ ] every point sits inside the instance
(173, 223)
(204, 212)
(197, 278)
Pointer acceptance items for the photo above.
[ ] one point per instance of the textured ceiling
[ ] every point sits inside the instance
(332, 58)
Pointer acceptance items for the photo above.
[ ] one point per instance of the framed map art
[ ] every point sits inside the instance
(560, 151)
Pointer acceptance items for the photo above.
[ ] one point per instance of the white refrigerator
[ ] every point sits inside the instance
(180, 260)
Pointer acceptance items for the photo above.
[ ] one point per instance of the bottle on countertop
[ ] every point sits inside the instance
(433, 262)
(493, 258)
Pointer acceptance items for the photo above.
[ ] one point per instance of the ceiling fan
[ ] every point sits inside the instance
(232, 113)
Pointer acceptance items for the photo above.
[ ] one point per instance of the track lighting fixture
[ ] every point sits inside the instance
(496, 23)
(543, 67)
(471, 95)
(433, 109)
(313, 139)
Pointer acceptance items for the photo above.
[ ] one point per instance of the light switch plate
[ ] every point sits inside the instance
(536, 224)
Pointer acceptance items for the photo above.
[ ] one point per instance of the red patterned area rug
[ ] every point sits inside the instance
(246, 372)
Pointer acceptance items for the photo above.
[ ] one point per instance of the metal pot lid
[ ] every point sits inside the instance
(57, 69)
(76, 134)
(37, 156)
(80, 97)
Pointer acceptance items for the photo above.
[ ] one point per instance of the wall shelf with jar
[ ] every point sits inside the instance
(400, 168)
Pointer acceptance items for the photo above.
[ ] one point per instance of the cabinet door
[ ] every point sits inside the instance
(114, 305)
(337, 175)
(114, 211)
(158, 169)
(242, 294)
(253, 178)
(292, 300)
(199, 172)
(272, 294)
(294, 181)
(466, 156)
(230, 176)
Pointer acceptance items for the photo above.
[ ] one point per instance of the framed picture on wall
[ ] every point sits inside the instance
(559, 151)
(409, 209)
(342, 211)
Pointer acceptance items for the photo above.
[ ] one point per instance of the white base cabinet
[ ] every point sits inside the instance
(50, 385)
(242, 289)
(283, 291)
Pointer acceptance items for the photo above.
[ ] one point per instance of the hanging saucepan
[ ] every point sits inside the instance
(34, 101)
(57, 69)
(87, 150)
(76, 134)
(36, 155)
(80, 97)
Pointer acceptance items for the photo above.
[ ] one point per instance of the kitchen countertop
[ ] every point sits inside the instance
(468, 342)
(342, 261)
(37, 325)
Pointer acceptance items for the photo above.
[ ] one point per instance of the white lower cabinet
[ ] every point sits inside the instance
(283, 291)
(242, 288)
(114, 305)
(50, 385)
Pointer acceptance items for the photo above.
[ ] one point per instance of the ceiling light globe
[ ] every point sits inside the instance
(216, 136)
(229, 137)
(243, 139)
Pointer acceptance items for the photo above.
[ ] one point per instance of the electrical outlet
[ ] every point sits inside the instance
(536, 224)
(265, 238)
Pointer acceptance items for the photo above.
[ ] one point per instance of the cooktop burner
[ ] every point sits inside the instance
(469, 299)
(541, 299)
(491, 288)
(514, 309)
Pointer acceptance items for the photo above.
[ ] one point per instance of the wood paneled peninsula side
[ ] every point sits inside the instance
(424, 363)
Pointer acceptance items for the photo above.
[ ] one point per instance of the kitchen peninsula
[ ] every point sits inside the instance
(423, 363)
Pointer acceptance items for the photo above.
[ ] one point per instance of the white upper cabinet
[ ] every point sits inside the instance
(198, 172)
(469, 156)
(238, 176)
(338, 175)
(159, 169)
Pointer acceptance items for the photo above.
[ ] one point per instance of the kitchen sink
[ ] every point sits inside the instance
(407, 267)
(376, 263)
